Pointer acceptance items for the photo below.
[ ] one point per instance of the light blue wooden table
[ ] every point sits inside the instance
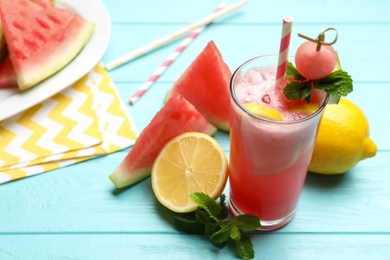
(75, 212)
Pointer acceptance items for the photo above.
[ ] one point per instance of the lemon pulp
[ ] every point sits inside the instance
(191, 162)
(263, 111)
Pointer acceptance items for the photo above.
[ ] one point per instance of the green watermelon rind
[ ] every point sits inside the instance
(176, 117)
(335, 99)
(121, 179)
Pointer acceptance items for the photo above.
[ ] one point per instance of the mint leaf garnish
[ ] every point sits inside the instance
(244, 247)
(338, 83)
(225, 211)
(247, 222)
(223, 234)
(190, 226)
(207, 203)
(293, 73)
(235, 233)
(298, 90)
(211, 218)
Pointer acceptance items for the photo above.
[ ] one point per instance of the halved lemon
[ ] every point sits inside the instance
(191, 162)
(263, 111)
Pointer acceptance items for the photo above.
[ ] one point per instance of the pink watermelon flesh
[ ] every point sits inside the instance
(205, 84)
(41, 38)
(176, 117)
(7, 74)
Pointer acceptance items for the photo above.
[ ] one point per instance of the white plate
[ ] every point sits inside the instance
(13, 101)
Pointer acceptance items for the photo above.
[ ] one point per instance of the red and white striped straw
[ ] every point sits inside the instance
(283, 50)
(171, 58)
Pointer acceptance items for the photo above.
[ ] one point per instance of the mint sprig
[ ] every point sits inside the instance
(211, 218)
(338, 83)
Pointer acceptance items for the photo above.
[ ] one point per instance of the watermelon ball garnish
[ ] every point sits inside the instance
(313, 64)
(316, 59)
(318, 67)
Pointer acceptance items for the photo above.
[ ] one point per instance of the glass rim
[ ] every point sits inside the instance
(287, 122)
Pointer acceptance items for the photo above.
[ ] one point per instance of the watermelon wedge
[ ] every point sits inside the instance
(41, 38)
(205, 84)
(7, 74)
(176, 117)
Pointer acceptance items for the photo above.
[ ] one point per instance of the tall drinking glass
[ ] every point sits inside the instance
(269, 158)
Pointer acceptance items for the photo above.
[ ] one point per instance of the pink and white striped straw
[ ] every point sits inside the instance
(174, 35)
(171, 58)
(283, 50)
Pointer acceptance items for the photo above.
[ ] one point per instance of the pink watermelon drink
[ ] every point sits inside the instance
(269, 158)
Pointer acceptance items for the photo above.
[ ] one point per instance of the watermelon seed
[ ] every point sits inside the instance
(42, 23)
(19, 26)
(53, 19)
(32, 45)
(39, 36)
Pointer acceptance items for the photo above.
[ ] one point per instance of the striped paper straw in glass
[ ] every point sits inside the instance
(283, 50)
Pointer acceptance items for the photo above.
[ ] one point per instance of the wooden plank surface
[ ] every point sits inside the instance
(76, 213)
(172, 246)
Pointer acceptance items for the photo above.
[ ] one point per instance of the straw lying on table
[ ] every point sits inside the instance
(172, 36)
(283, 50)
(171, 58)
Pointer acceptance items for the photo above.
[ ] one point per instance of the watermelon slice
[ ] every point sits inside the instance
(3, 46)
(7, 74)
(205, 84)
(41, 38)
(176, 117)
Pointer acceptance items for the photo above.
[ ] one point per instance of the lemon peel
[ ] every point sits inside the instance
(343, 139)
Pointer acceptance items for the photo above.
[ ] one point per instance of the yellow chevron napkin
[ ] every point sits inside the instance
(85, 120)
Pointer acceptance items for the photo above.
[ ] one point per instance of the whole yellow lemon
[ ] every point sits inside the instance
(343, 139)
